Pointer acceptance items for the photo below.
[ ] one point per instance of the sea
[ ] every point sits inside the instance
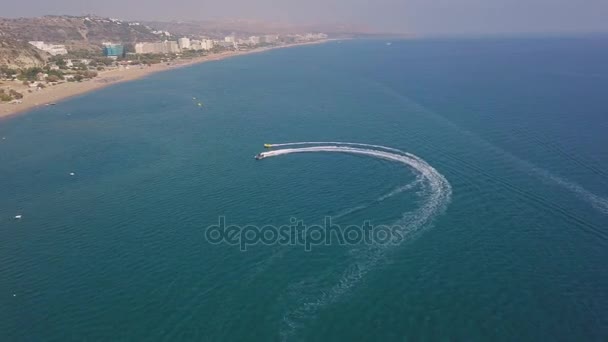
(485, 161)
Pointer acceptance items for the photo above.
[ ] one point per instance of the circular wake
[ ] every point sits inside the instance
(436, 196)
(438, 188)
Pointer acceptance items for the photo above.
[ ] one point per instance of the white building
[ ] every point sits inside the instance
(148, 48)
(271, 38)
(254, 40)
(184, 43)
(196, 45)
(158, 47)
(230, 39)
(53, 49)
(172, 46)
(315, 36)
(207, 44)
(224, 44)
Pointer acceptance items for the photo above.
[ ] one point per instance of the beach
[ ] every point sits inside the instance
(59, 92)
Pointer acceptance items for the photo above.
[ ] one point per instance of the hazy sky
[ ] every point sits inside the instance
(414, 16)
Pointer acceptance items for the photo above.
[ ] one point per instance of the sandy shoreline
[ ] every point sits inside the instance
(56, 93)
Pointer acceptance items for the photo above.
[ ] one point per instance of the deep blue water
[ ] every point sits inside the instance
(118, 252)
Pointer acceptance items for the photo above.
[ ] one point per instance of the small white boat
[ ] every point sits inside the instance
(18, 217)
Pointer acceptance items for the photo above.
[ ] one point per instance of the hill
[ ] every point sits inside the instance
(221, 28)
(19, 54)
(76, 32)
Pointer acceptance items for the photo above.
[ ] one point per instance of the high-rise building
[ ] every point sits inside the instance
(207, 44)
(254, 40)
(159, 47)
(230, 39)
(172, 46)
(196, 45)
(184, 43)
(271, 38)
(113, 50)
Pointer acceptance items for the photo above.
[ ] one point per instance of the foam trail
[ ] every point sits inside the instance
(392, 193)
(340, 143)
(437, 194)
(262, 267)
(597, 202)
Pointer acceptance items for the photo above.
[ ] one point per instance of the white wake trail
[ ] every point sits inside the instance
(437, 194)
(342, 143)
(381, 198)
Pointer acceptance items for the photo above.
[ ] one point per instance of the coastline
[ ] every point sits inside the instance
(64, 91)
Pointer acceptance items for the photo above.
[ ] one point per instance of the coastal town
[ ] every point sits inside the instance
(67, 71)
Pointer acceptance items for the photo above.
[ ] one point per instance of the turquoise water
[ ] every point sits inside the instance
(514, 249)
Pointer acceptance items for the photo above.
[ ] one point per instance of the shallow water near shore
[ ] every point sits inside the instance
(117, 251)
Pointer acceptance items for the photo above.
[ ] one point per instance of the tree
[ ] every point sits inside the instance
(79, 66)
(30, 74)
(61, 63)
(6, 72)
(5, 97)
(15, 94)
(57, 73)
(85, 74)
(53, 78)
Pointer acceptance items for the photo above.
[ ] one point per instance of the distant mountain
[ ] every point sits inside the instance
(221, 28)
(76, 32)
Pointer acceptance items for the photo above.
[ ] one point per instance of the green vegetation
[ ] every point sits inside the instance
(6, 72)
(58, 73)
(192, 54)
(11, 95)
(79, 54)
(30, 74)
(59, 61)
(101, 61)
(4, 97)
(79, 66)
(149, 59)
(15, 94)
(88, 74)
(82, 75)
